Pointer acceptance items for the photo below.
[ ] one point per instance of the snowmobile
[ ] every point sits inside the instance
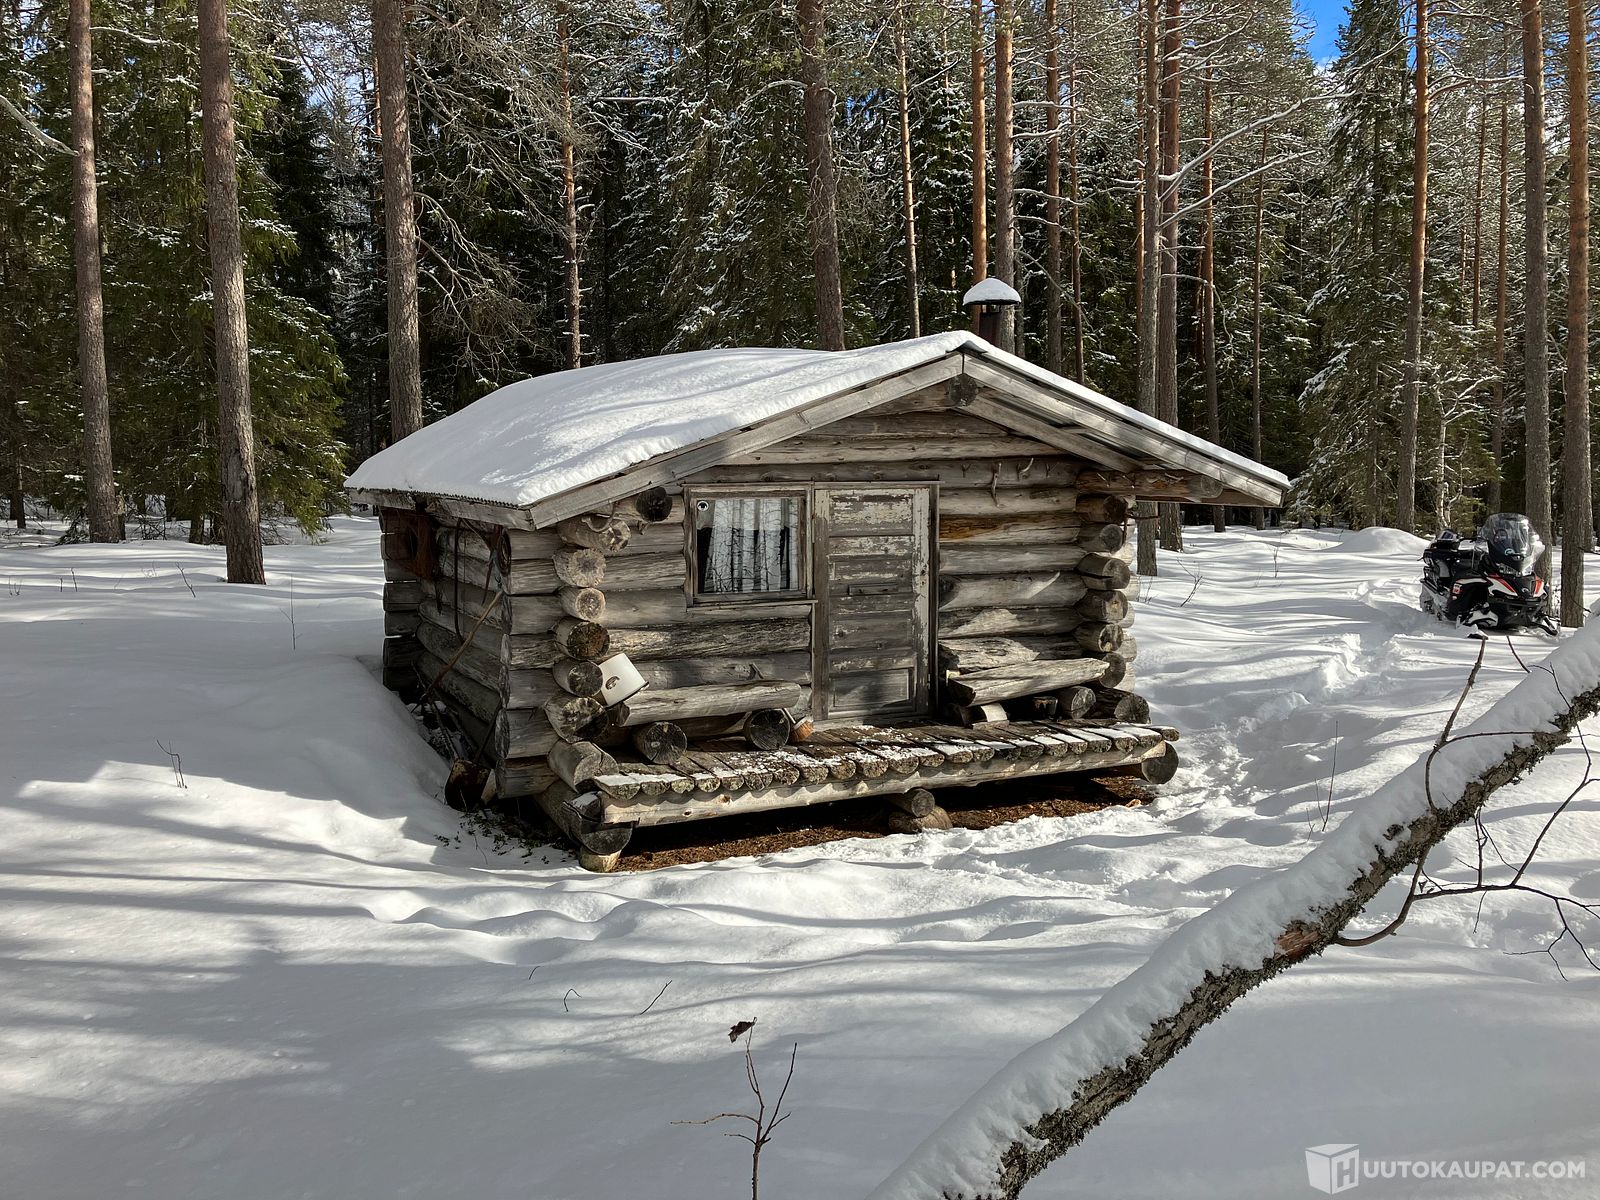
(1487, 582)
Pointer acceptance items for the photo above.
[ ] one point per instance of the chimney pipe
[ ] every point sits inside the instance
(989, 323)
(990, 296)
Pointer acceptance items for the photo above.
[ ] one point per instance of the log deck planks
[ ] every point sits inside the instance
(713, 783)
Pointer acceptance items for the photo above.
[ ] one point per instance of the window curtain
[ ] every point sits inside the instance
(752, 545)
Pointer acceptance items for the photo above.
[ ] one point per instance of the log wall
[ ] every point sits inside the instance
(402, 598)
(1033, 548)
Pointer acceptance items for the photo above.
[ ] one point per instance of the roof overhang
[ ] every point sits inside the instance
(1137, 455)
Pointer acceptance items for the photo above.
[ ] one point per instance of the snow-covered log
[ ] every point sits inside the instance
(1045, 1100)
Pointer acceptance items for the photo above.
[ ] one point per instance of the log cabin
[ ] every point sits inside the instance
(731, 581)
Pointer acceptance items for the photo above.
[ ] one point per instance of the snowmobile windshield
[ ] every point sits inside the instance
(1509, 538)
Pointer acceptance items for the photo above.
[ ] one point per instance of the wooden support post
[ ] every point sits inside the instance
(918, 802)
(1158, 767)
(935, 819)
(577, 814)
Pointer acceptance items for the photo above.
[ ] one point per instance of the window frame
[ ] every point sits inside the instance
(803, 567)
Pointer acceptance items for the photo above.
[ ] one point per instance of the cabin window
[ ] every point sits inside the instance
(749, 545)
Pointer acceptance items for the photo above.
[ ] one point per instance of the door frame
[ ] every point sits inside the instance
(821, 681)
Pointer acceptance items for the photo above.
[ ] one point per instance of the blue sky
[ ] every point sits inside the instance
(1327, 15)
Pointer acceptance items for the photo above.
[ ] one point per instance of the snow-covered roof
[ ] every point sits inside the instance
(538, 439)
(990, 290)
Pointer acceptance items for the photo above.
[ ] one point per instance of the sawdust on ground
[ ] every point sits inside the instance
(978, 807)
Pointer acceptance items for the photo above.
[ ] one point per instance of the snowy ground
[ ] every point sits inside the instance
(289, 979)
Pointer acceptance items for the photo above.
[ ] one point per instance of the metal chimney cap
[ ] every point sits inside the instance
(990, 291)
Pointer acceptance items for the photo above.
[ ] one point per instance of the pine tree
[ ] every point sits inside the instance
(1361, 308)
(400, 222)
(99, 480)
(293, 148)
(1577, 524)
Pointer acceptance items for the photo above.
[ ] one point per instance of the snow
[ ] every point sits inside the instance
(546, 436)
(990, 290)
(1379, 540)
(279, 981)
(1238, 933)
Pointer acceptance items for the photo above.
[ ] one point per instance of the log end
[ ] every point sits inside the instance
(768, 728)
(653, 505)
(1161, 766)
(934, 819)
(600, 864)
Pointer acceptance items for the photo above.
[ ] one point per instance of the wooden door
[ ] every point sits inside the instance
(873, 626)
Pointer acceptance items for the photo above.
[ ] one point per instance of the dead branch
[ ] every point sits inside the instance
(762, 1121)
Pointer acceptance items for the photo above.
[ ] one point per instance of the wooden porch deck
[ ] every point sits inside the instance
(723, 778)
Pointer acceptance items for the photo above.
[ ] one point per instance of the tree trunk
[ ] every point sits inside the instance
(241, 521)
(1497, 409)
(1167, 318)
(1052, 189)
(16, 510)
(1258, 517)
(1005, 208)
(1577, 524)
(1536, 272)
(908, 186)
(1150, 281)
(399, 218)
(1141, 128)
(1406, 500)
(1076, 253)
(99, 482)
(1208, 285)
(569, 194)
(980, 157)
(822, 201)
(1475, 287)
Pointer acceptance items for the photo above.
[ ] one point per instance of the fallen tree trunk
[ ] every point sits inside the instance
(1047, 1099)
